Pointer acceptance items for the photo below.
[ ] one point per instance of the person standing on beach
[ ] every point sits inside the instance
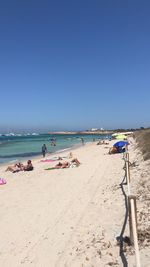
(44, 150)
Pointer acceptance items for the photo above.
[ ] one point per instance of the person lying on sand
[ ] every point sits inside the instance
(67, 164)
(20, 167)
(103, 142)
(62, 165)
(15, 168)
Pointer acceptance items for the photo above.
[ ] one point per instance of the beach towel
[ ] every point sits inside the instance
(57, 158)
(2, 181)
(53, 168)
(72, 165)
(47, 160)
(57, 168)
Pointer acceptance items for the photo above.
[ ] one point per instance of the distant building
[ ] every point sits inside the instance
(94, 129)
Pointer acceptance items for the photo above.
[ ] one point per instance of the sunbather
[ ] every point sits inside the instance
(75, 161)
(67, 164)
(29, 166)
(70, 155)
(20, 167)
(15, 168)
(62, 165)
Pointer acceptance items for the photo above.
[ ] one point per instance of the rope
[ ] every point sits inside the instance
(133, 214)
(136, 247)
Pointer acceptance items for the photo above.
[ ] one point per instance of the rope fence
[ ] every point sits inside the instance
(132, 211)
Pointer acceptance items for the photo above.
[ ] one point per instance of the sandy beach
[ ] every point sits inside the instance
(69, 217)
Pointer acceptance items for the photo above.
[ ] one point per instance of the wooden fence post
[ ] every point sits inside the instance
(133, 226)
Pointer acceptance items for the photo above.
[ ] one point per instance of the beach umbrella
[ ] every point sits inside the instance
(121, 144)
(115, 134)
(121, 137)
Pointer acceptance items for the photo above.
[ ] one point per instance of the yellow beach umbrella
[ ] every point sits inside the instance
(121, 137)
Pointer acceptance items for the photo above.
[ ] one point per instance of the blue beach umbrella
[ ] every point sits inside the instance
(121, 144)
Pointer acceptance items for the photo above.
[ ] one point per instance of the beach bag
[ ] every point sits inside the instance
(2, 181)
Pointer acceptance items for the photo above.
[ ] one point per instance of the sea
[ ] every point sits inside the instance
(22, 147)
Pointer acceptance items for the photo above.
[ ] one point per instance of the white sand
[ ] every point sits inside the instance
(67, 217)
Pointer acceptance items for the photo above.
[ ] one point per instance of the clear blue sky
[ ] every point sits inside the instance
(74, 64)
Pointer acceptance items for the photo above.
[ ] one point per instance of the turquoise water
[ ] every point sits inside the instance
(14, 148)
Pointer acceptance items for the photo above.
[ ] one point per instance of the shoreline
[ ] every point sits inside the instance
(34, 152)
(23, 160)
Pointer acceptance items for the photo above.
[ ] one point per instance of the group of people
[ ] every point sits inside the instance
(29, 167)
(20, 167)
(103, 142)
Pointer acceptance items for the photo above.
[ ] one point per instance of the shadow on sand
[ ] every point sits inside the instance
(121, 239)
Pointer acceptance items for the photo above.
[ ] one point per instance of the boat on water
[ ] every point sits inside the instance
(34, 134)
